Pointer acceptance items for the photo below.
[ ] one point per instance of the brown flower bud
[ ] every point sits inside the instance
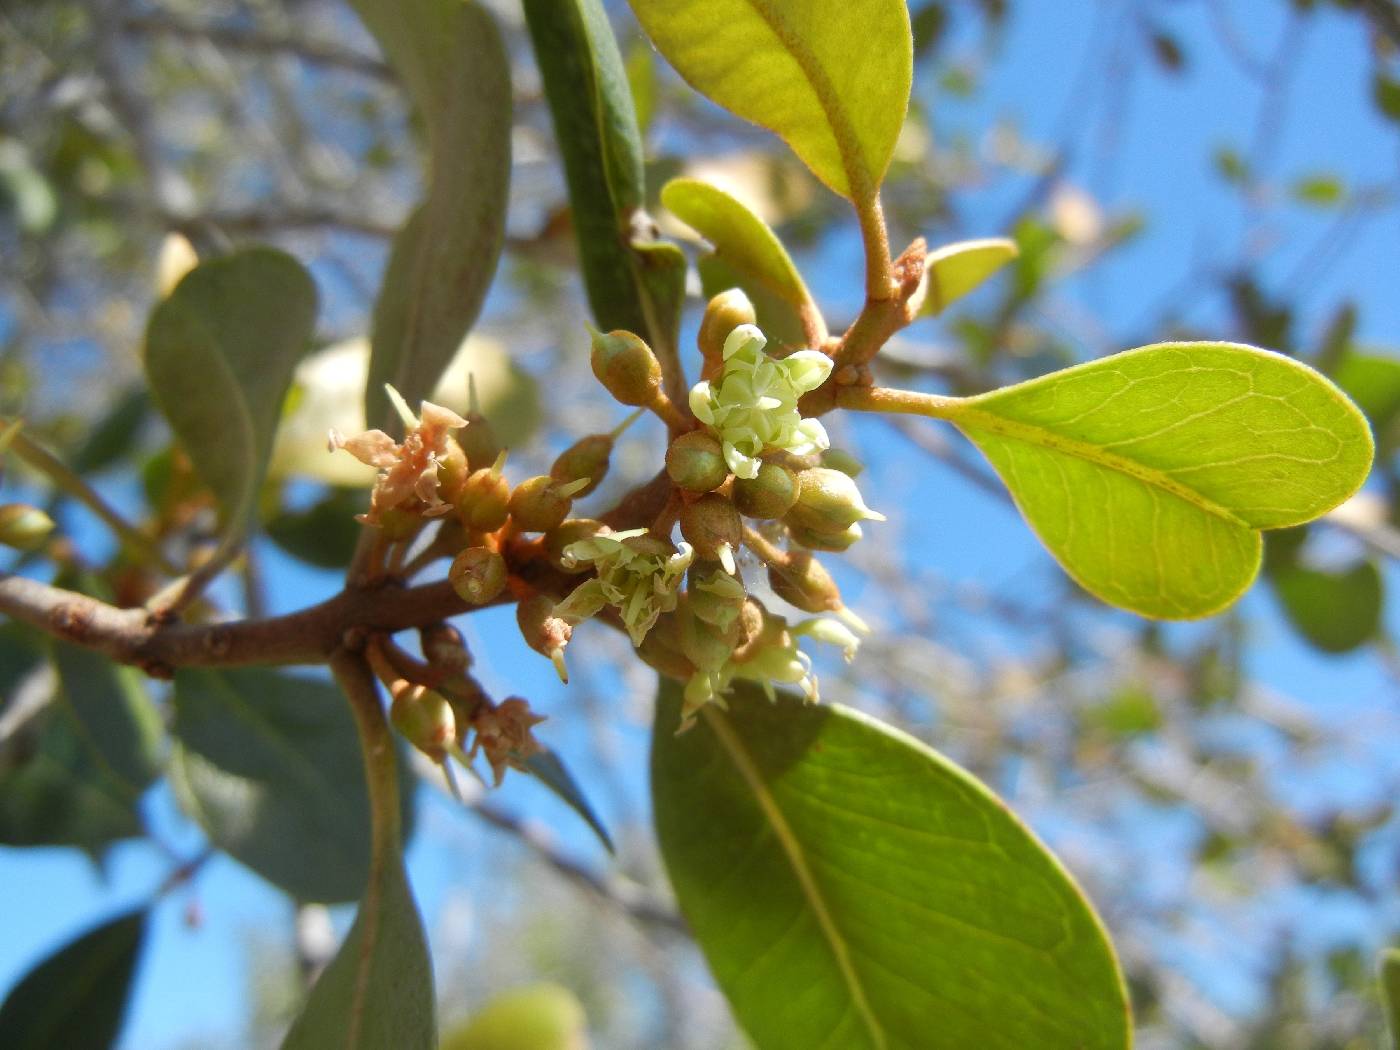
(24, 527)
(725, 312)
(661, 649)
(713, 527)
(539, 504)
(828, 502)
(805, 583)
(544, 632)
(478, 575)
(425, 719)
(402, 522)
(768, 495)
(444, 648)
(626, 367)
(695, 462)
(587, 459)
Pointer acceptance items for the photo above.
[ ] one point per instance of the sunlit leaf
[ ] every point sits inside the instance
(453, 64)
(852, 888)
(377, 993)
(957, 269)
(739, 237)
(829, 76)
(220, 352)
(1149, 473)
(269, 765)
(76, 998)
(553, 774)
(538, 1017)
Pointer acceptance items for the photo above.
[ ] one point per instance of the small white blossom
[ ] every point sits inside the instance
(638, 575)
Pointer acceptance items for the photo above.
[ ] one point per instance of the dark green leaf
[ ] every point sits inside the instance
(451, 59)
(269, 765)
(556, 776)
(1335, 611)
(112, 711)
(220, 352)
(324, 533)
(115, 434)
(852, 888)
(76, 998)
(1390, 991)
(1386, 90)
(377, 993)
(538, 1017)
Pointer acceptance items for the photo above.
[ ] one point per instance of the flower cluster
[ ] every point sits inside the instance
(752, 406)
(638, 575)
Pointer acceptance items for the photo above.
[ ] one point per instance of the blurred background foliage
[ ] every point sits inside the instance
(1225, 791)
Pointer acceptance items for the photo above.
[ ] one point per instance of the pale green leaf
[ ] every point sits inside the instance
(76, 998)
(377, 993)
(451, 59)
(1149, 473)
(830, 77)
(220, 352)
(957, 269)
(852, 888)
(779, 320)
(739, 237)
(270, 766)
(538, 1017)
(1390, 991)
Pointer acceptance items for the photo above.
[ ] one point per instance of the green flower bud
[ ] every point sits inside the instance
(587, 460)
(24, 527)
(828, 502)
(715, 596)
(840, 459)
(725, 312)
(443, 648)
(695, 462)
(768, 495)
(571, 531)
(478, 438)
(661, 649)
(824, 541)
(484, 502)
(805, 583)
(626, 367)
(540, 503)
(400, 523)
(707, 646)
(544, 632)
(478, 575)
(713, 527)
(425, 719)
(452, 470)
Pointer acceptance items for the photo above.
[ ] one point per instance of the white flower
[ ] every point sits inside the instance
(638, 575)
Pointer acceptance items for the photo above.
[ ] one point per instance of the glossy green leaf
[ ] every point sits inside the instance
(112, 712)
(377, 993)
(1149, 473)
(76, 998)
(538, 1017)
(739, 237)
(553, 774)
(852, 888)
(1335, 611)
(220, 352)
(829, 76)
(453, 64)
(596, 127)
(1390, 991)
(957, 269)
(269, 765)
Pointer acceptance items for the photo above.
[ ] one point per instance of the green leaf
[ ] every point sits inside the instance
(596, 127)
(1149, 473)
(830, 77)
(852, 888)
(538, 1017)
(453, 64)
(377, 993)
(739, 237)
(1373, 382)
(956, 269)
(112, 711)
(1322, 191)
(220, 352)
(1386, 91)
(76, 998)
(1335, 611)
(553, 774)
(323, 534)
(1390, 991)
(270, 767)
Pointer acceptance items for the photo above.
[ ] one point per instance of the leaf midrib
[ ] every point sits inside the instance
(797, 859)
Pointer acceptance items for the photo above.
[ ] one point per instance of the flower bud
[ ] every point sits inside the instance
(626, 367)
(539, 504)
(478, 438)
(400, 523)
(544, 632)
(425, 719)
(661, 649)
(568, 532)
(444, 649)
(840, 459)
(483, 503)
(478, 575)
(828, 502)
(725, 312)
(586, 460)
(707, 646)
(769, 494)
(695, 462)
(712, 526)
(714, 595)
(452, 470)
(824, 541)
(805, 583)
(24, 527)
